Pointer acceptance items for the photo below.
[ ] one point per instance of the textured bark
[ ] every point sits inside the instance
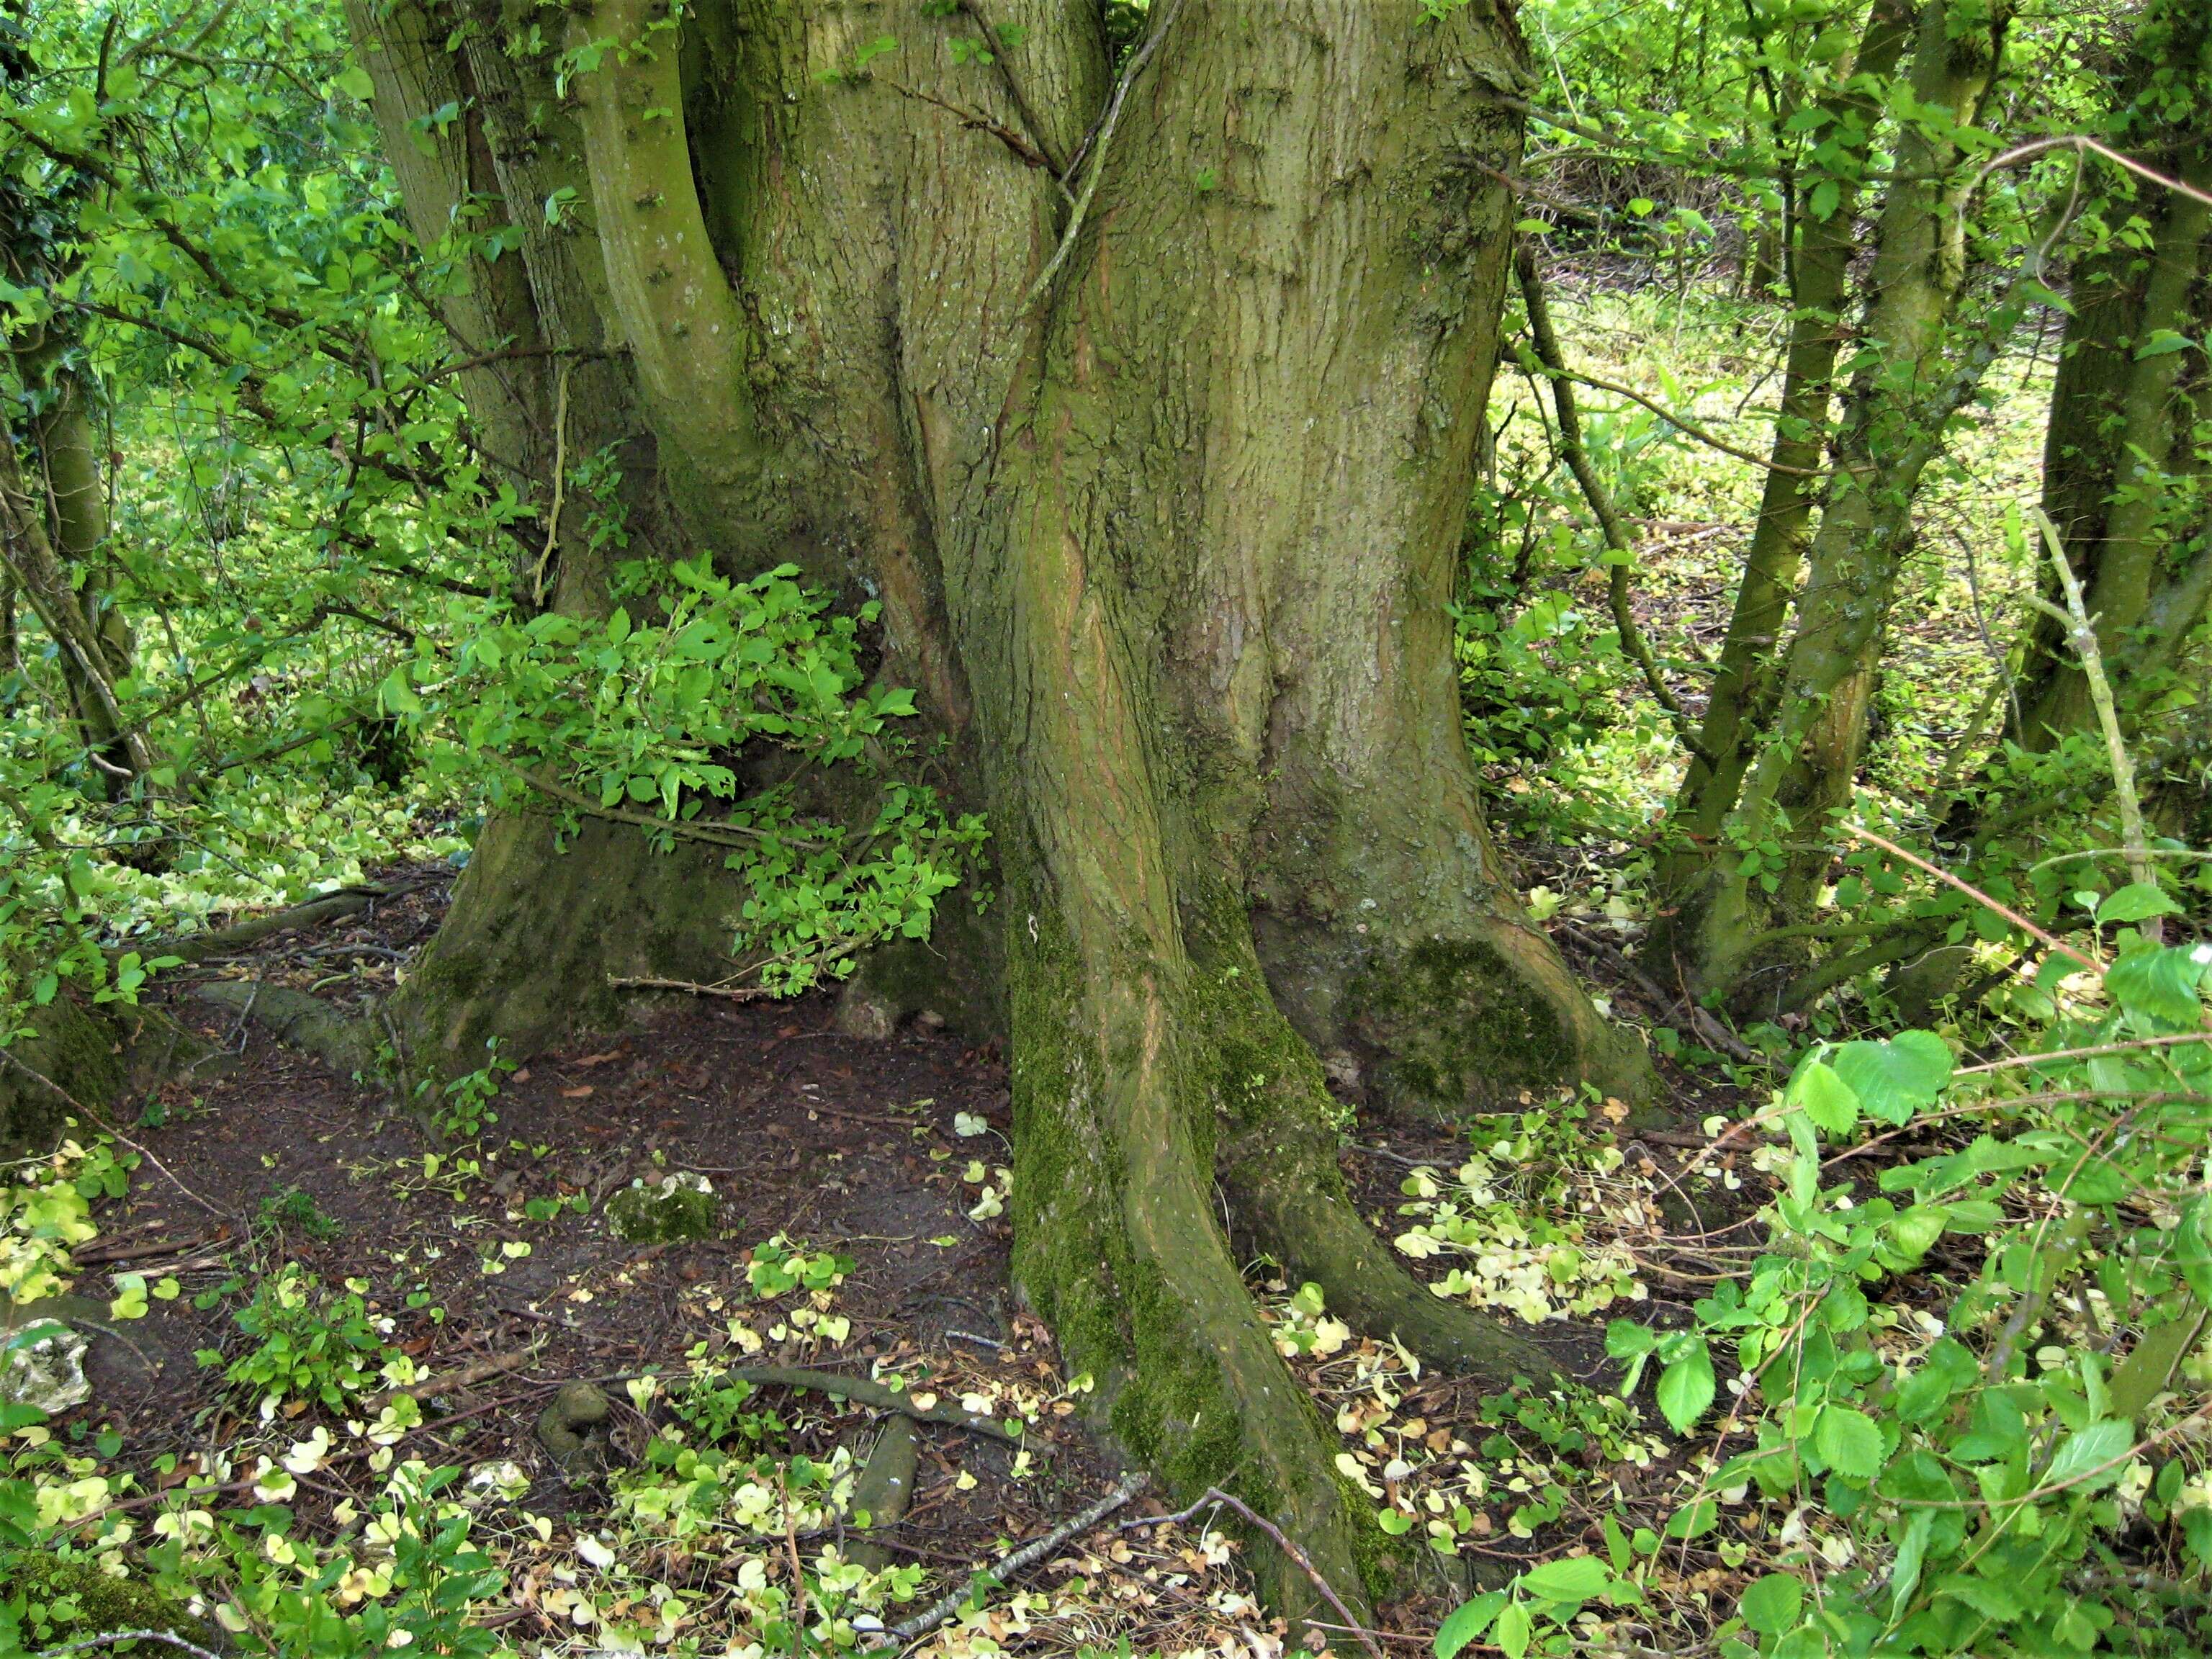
(1165, 544)
(1750, 652)
(1915, 373)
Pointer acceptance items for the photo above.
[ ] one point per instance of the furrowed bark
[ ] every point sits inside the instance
(1167, 552)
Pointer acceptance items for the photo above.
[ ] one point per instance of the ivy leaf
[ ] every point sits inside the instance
(1847, 1440)
(1895, 1080)
(1686, 1386)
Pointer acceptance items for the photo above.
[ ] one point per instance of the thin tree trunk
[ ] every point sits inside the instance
(1807, 751)
(1750, 652)
(63, 565)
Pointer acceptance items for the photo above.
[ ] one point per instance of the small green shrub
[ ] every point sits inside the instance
(294, 1213)
(307, 1343)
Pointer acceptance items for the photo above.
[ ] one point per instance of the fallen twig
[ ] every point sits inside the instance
(466, 1376)
(862, 1392)
(1006, 1566)
(1298, 1557)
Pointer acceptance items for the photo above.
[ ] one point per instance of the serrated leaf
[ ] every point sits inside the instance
(1895, 1080)
(1468, 1621)
(1848, 1441)
(1513, 1629)
(1824, 1097)
(1770, 1605)
(1571, 1579)
(2093, 1455)
(2161, 982)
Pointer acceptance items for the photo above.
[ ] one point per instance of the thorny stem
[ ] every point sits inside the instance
(2083, 633)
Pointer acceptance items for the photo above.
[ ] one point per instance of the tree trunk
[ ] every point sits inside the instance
(1912, 377)
(1742, 690)
(1158, 471)
(57, 554)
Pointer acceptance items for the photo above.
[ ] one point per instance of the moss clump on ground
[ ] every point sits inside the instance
(674, 1208)
(45, 1598)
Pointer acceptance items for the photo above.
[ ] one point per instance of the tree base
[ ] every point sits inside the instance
(542, 927)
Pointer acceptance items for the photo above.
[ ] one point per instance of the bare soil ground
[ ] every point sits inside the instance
(264, 1156)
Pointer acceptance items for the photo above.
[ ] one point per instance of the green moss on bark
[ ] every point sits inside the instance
(1450, 1027)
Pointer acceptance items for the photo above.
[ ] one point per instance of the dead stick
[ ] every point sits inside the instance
(1298, 1557)
(467, 1376)
(1005, 1568)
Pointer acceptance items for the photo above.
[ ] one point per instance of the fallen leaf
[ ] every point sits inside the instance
(580, 1092)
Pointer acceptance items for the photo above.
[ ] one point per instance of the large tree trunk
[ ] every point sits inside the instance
(1162, 510)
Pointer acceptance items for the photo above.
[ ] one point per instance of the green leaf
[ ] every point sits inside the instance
(1829, 1102)
(1985, 1596)
(1571, 1579)
(2136, 902)
(1848, 1441)
(1686, 1386)
(1895, 1080)
(2158, 981)
(2162, 342)
(1911, 1550)
(1770, 1605)
(1826, 195)
(1468, 1621)
(1626, 1339)
(1514, 1626)
(2091, 1456)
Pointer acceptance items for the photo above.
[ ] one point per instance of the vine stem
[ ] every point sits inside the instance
(2081, 630)
(1095, 152)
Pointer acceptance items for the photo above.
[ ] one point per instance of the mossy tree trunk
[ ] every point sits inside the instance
(1159, 485)
(1792, 761)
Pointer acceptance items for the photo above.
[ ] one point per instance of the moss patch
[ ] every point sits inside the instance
(1455, 1028)
(52, 1598)
(675, 1207)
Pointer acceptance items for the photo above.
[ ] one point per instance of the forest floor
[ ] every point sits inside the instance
(490, 1266)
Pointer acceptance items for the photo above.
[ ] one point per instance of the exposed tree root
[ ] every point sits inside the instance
(299, 1021)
